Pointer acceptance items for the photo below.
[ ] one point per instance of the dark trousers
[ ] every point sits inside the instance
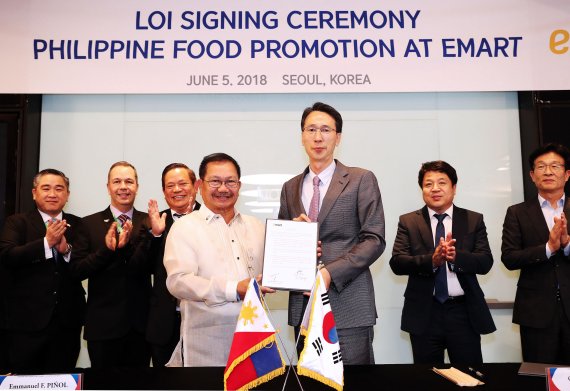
(161, 353)
(549, 345)
(132, 350)
(52, 350)
(449, 328)
(355, 345)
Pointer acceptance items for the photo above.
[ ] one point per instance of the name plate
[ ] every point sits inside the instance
(558, 379)
(42, 382)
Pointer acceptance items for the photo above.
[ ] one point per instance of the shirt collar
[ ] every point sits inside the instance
(210, 216)
(46, 217)
(116, 212)
(173, 212)
(543, 201)
(326, 175)
(449, 212)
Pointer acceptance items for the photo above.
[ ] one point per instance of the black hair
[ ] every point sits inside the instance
(323, 107)
(217, 157)
(439, 166)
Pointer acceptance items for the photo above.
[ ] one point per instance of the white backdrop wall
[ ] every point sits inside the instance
(388, 133)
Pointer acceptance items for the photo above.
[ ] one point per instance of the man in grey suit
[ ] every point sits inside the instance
(347, 204)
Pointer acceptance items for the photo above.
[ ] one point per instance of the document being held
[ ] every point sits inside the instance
(290, 256)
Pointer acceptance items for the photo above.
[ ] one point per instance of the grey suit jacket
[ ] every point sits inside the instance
(351, 229)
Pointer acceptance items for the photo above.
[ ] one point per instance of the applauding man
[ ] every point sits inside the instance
(163, 331)
(536, 242)
(442, 248)
(119, 277)
(44, 303)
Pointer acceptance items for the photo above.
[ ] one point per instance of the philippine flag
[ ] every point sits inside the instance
(321, 358)
(558, 379)
(254, 356)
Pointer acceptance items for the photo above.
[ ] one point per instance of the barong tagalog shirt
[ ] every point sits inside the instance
(205, 258)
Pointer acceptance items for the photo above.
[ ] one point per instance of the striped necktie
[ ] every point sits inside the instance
(123, 218)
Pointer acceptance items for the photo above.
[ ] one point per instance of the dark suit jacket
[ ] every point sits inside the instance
(36, 286)
(525, 234)
(162, 314)
(412, 256)
(351, 229)
(119, 283)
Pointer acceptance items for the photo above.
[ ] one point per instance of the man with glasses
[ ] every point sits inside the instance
(210, 257)
(346, 203)
(536, 241)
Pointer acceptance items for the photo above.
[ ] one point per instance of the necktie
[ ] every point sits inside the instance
(123, 218)
(54, 252)
(178, 215)
(314, 207)
(441, 293)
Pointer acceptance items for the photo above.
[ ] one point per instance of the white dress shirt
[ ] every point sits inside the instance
(549, 212)
(47, 249)
(205, 258)
(453, 285)
(325, 180)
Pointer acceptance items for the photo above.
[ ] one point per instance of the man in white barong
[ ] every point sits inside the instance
(210, 257)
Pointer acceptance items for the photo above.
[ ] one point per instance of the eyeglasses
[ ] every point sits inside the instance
(230, 183)
(312, 129)
(555, 167)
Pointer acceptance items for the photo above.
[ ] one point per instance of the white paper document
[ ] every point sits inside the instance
(290, 256)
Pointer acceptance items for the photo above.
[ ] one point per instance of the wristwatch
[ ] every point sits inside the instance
(68, 249)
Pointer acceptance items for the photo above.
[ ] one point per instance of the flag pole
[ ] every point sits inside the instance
(296, 343)
(268, 312)
(291, 368)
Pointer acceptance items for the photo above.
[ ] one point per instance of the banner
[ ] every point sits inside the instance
(254, 46)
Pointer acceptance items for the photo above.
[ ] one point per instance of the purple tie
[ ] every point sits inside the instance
(314, 207)
(123, 218)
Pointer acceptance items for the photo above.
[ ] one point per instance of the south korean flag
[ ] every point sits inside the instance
(321, 358)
